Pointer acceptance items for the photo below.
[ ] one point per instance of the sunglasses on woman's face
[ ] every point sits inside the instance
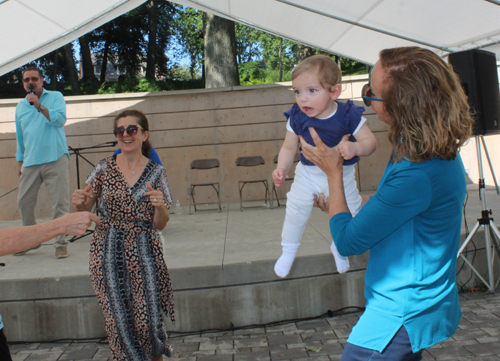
(131, 130)
(366, 92)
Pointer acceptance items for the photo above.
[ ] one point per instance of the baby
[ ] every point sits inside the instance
(316, 82)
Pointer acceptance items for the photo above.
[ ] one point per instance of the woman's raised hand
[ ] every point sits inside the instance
(81, 196)
(155, 196)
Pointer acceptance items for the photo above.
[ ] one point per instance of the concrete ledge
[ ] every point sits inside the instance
(53, 319)
(206, 298)
(261, 303)
(221, 266)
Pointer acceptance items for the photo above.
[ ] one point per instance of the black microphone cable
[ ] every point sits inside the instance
(3, 195)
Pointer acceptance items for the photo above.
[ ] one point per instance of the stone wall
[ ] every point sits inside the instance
(223, 123)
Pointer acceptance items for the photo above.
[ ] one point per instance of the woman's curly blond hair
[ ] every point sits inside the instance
(424, 97)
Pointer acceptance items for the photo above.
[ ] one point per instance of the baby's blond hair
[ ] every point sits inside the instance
(329, 73)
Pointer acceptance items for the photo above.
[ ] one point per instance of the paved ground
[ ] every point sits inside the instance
(321, 339)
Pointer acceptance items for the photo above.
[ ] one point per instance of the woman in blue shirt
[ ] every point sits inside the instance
(412, 224)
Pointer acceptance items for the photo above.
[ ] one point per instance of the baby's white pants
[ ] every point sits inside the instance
(308, 181)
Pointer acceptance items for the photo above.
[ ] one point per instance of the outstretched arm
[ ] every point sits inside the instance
(285, 158)
(18, 239)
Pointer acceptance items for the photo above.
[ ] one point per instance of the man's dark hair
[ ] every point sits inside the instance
(33, 68)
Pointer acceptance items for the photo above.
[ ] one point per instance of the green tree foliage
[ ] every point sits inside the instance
(262, 57)
(188, 29)
(125, 41)
(248, 44)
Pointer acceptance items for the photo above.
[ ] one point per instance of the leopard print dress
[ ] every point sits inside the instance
(127, 268)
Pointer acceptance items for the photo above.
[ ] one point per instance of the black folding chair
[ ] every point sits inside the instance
(204, 165)
(251, 161)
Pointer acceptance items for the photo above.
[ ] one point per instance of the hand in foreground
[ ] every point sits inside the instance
(76, 224)
(347, 149)
(155, 196)
(327, 159)
(80, 196)
(321, 202)
(279, 176)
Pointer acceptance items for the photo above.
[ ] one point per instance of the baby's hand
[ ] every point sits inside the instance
(347, 149)
(279, 176)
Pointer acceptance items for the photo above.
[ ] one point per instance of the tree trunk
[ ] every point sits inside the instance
(221, 68)
(56, 66)
(336, 59)
(153, 29)
(87, 68)
(281, 62)
(104, 64)
(72, 72)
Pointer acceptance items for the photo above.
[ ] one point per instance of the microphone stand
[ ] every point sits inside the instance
(78, 154)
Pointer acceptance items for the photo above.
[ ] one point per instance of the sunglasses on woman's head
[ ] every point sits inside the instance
(367, 94)
(131, 130)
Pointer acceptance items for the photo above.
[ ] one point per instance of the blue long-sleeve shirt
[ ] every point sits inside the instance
(39, 140)
(412, 228)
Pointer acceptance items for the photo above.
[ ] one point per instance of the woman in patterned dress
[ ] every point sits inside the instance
(127, 268)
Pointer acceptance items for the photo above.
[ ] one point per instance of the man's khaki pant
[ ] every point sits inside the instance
(55, 175)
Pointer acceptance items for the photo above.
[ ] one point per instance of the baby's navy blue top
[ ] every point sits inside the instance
(345, 121)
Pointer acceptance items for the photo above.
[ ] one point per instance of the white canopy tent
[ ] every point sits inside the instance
(32, 28)
(357, 29)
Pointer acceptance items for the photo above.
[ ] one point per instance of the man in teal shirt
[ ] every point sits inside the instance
(42, 152)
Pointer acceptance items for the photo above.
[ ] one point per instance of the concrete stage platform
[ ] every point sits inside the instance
(221, 265)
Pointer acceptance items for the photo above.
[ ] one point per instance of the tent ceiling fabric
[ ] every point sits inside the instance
(32, 28)
(357, 29)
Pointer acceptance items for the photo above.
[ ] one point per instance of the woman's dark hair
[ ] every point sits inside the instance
(427, 103)
(142, 121)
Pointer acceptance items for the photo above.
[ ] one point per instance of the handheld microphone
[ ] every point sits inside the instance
(31, 90)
